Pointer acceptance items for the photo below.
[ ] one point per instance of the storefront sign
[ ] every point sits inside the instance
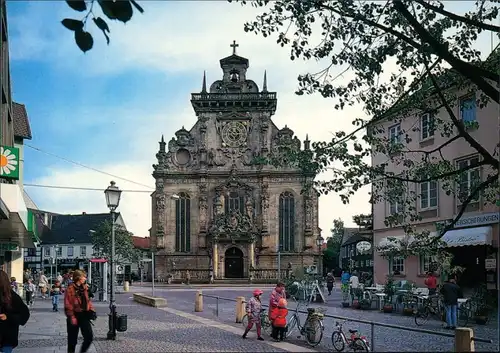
(363, 246)
(490, 264)
(478, 220)
(9, 247)
(472, 221)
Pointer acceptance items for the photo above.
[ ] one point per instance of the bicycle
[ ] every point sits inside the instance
(264, 322)
(313, 326)
(429, 309)
(355, 341)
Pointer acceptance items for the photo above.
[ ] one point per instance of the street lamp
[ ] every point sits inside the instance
(319, 243)
(113, 194)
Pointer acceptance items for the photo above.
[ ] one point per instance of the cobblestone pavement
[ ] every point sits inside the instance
(149, 330)
(386, 339)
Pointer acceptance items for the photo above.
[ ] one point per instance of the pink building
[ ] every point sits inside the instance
(474, 239)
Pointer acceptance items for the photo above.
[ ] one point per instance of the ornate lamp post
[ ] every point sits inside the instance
(113, 194)
(319, 243)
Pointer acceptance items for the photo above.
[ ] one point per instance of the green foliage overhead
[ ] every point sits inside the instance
(433, 59)
(124, 247)
(121, 10)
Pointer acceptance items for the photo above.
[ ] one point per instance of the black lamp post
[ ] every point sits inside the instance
(319, 243)
(113, 194)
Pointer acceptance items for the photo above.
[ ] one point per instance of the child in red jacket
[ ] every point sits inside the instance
(278, 320)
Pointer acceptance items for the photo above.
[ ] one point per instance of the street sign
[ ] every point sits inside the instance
(119, 269)
(9, 247)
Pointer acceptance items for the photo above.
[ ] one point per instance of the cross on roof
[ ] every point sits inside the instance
(234, 46)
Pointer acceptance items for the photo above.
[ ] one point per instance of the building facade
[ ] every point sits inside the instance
(232, 215)
(474, 239)
(16, 226)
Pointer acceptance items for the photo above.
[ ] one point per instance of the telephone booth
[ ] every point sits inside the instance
(98, 277)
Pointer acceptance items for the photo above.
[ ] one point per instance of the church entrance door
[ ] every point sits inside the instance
(233, 263)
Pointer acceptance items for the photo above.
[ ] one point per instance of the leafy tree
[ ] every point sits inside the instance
(121, 10)
(332, 252)
(124, 247)
(432, 50)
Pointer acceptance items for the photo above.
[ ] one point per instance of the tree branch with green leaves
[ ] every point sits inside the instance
(363, 38)
(121, 10)
(124, 247)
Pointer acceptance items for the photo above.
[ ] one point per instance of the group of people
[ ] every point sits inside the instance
(277, 313)
(77, 306)
(450, 292)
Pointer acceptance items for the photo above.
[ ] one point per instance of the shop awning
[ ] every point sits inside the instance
(468, 236)
(14, 230)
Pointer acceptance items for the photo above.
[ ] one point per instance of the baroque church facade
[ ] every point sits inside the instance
(215, 211)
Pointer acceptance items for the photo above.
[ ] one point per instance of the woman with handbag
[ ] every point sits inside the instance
(13, 313)
(79, 312)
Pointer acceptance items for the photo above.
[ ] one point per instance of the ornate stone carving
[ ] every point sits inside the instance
(264, 198)
(309, 209)
(182, 152)
(233, 183)
(203, 200)
(233, 226)
(159, 185)
(284, 142)
(215, 158)
(160, 202)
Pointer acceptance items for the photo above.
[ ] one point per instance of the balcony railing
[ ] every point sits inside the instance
(232, 96)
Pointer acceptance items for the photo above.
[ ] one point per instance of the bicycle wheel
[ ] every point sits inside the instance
(338, 341)
(266, 324)
(313, 330)
(244, 321)
(462, 317)
(291, 325)
(422, 316)
(360, 345)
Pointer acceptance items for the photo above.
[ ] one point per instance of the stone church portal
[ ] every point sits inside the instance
(232, 215)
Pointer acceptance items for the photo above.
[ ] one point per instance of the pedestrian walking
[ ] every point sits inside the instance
(330, 282)
(278, 320)
(451, 292)
(253, 308)
(29, 292)
(79, 312)
(13, 313)
(14, 285)
(55, 293)
(43, 284)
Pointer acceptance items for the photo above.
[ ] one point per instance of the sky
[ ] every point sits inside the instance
(108, 108)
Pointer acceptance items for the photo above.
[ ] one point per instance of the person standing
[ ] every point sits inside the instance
(431, 283)
(253, 308)
(29, 292)
(13, 313)
(451, 292)
(55, 293)
(42, 284)
(277, 293)
(354, 281)
(278, 320)
(79, 312)
(330, 282)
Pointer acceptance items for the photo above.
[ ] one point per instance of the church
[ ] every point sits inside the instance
(216, 212)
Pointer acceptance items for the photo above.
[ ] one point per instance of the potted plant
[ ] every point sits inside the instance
(408, 300)
(345, 295)
(389, 292)
(358, 294)
(365, 304)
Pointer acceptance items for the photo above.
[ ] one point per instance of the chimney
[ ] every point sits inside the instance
(84, 213)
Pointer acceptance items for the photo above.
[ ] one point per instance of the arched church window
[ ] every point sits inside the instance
(234, 202)
(182, 223)
(287, 222)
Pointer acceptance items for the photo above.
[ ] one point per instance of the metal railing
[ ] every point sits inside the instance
(366, 322)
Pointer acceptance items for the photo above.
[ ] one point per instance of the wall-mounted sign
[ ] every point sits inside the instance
(473, 221)
(9, 247)
(9, 162)
(490, 264)
(363, 246)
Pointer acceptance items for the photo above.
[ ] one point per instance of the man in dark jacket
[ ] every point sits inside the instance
(451, 292)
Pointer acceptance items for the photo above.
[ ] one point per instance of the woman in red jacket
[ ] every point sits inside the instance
(278, 319)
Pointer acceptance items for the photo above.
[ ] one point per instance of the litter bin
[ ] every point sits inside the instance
(121, 323)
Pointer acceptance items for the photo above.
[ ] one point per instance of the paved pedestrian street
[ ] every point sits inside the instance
(149, 330)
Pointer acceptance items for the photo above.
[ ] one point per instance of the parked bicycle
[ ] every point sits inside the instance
(432, 307)
(313, 326)
(355, 341)
(264, 321)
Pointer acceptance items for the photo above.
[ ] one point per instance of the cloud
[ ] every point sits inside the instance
(172, 39)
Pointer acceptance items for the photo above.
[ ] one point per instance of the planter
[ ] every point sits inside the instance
(407, 311)
(387, 308)
(481, 319)
(356, 304)
(346, 304)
